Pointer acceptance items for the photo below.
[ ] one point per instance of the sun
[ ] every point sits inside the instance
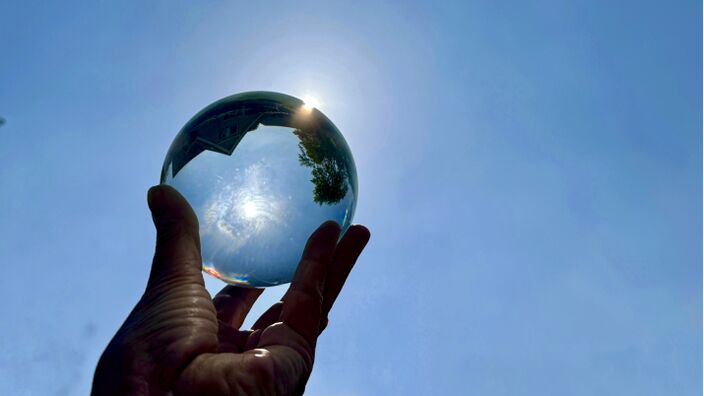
(310, 103)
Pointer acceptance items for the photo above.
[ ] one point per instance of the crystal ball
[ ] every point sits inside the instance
(262, 170)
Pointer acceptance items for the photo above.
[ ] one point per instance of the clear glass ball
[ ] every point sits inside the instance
(262, 170)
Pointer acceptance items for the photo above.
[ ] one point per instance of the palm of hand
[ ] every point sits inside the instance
(177, 341)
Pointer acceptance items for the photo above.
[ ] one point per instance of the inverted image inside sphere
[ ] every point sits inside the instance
(262, 171)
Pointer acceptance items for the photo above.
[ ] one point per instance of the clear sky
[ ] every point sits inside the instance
(530, 171)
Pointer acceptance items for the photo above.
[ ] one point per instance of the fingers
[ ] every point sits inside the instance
(346, 254)
(233, 303)
(232, 340)
(303, 303)
(177, 242)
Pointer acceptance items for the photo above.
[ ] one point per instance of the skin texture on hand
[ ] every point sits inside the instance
(179, 341)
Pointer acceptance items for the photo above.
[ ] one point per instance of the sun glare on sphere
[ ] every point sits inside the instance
(310, 103)
(250, 210)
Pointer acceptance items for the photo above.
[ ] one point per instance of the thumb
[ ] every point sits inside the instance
(177, 255)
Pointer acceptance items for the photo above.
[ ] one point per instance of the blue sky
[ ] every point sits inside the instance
(531, 173)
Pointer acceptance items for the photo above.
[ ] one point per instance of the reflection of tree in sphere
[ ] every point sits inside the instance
(327, 164)
(262, 171)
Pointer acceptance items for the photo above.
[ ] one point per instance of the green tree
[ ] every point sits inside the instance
(327, 163)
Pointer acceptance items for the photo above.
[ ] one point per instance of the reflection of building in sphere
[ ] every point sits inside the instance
(223, 131)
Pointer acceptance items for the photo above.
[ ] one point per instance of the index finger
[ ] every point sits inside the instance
(302, 306)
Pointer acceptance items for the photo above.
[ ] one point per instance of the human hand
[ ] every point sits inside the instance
(177, 341)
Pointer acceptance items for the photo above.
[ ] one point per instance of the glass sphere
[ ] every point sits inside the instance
(262, 170)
